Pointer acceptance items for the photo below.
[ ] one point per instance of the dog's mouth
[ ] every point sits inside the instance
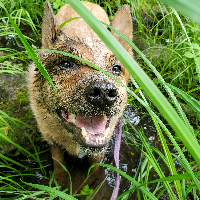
(89, 130)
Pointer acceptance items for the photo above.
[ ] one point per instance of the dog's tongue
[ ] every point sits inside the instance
(90, 130)
(93, 124)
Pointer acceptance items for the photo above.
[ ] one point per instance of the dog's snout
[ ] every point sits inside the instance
(101, 94)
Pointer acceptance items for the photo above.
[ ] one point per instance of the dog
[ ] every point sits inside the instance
(81, 117)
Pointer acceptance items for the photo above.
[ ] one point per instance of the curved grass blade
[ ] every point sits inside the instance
(31, 196)
(12, 181)
(5, 124)
(51, 191)
(11, 160)
(170, 162)
(5, 137)
(193, 103)
(154, 70)
(69, 20)
(141, 187)
(29, 49)
(70, 180)
(188, 38)
(176, 103)
(10, 55)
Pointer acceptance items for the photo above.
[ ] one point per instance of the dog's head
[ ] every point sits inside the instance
(88, 103)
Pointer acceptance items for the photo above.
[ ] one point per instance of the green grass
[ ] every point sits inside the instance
(168, 50)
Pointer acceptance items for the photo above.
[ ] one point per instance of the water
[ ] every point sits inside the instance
(12, 40)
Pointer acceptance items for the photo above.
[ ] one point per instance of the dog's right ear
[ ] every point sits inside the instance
(50, 28)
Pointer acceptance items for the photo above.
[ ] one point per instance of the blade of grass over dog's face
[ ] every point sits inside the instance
(173, 99)
(143, 80)
(68, 21)
(29, 49)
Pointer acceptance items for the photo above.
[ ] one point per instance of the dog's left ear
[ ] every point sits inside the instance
(122, 21)
(50, 28)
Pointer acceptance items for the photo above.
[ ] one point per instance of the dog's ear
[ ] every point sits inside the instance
(122, 21)
(50, 28)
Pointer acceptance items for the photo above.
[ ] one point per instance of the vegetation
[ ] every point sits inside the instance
(168, 50)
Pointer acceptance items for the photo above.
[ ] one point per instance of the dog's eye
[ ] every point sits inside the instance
(66, 64)
(116, 69)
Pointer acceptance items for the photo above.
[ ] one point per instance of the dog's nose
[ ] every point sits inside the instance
(101, 94)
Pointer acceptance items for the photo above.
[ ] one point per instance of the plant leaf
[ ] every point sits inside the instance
(67, 21)
(193, 103)
(189, 55)
(51, 191)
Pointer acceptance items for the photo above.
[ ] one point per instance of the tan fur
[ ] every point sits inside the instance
(79, 39)
(78, 27)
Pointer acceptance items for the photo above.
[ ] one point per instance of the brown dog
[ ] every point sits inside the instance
(81, 117)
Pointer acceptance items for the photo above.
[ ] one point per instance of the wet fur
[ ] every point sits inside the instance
(76, 38)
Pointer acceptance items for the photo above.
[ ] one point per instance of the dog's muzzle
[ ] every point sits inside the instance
(93, 129)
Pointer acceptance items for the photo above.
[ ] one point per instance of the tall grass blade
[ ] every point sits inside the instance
(157, 168)
(193, 103)
(176, 103)
(51, 190)
(191, 46)
(11, 181)
(31, 196)
(6, 138)
(161, 79)
(183, 188)
(29, 49)
(67, 21)
(142, 188)
(170, 162)
(70, 180)
(139, 75)
(11, 160)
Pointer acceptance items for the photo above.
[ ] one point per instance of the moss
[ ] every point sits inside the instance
(22, 96)
(18, 109)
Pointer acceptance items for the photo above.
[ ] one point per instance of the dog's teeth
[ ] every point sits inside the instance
(103, 138)
(84, 133)
(105, 117)
(97, 140)
(100, 140)
(87, 139)
(106, 132)
(72, 117)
